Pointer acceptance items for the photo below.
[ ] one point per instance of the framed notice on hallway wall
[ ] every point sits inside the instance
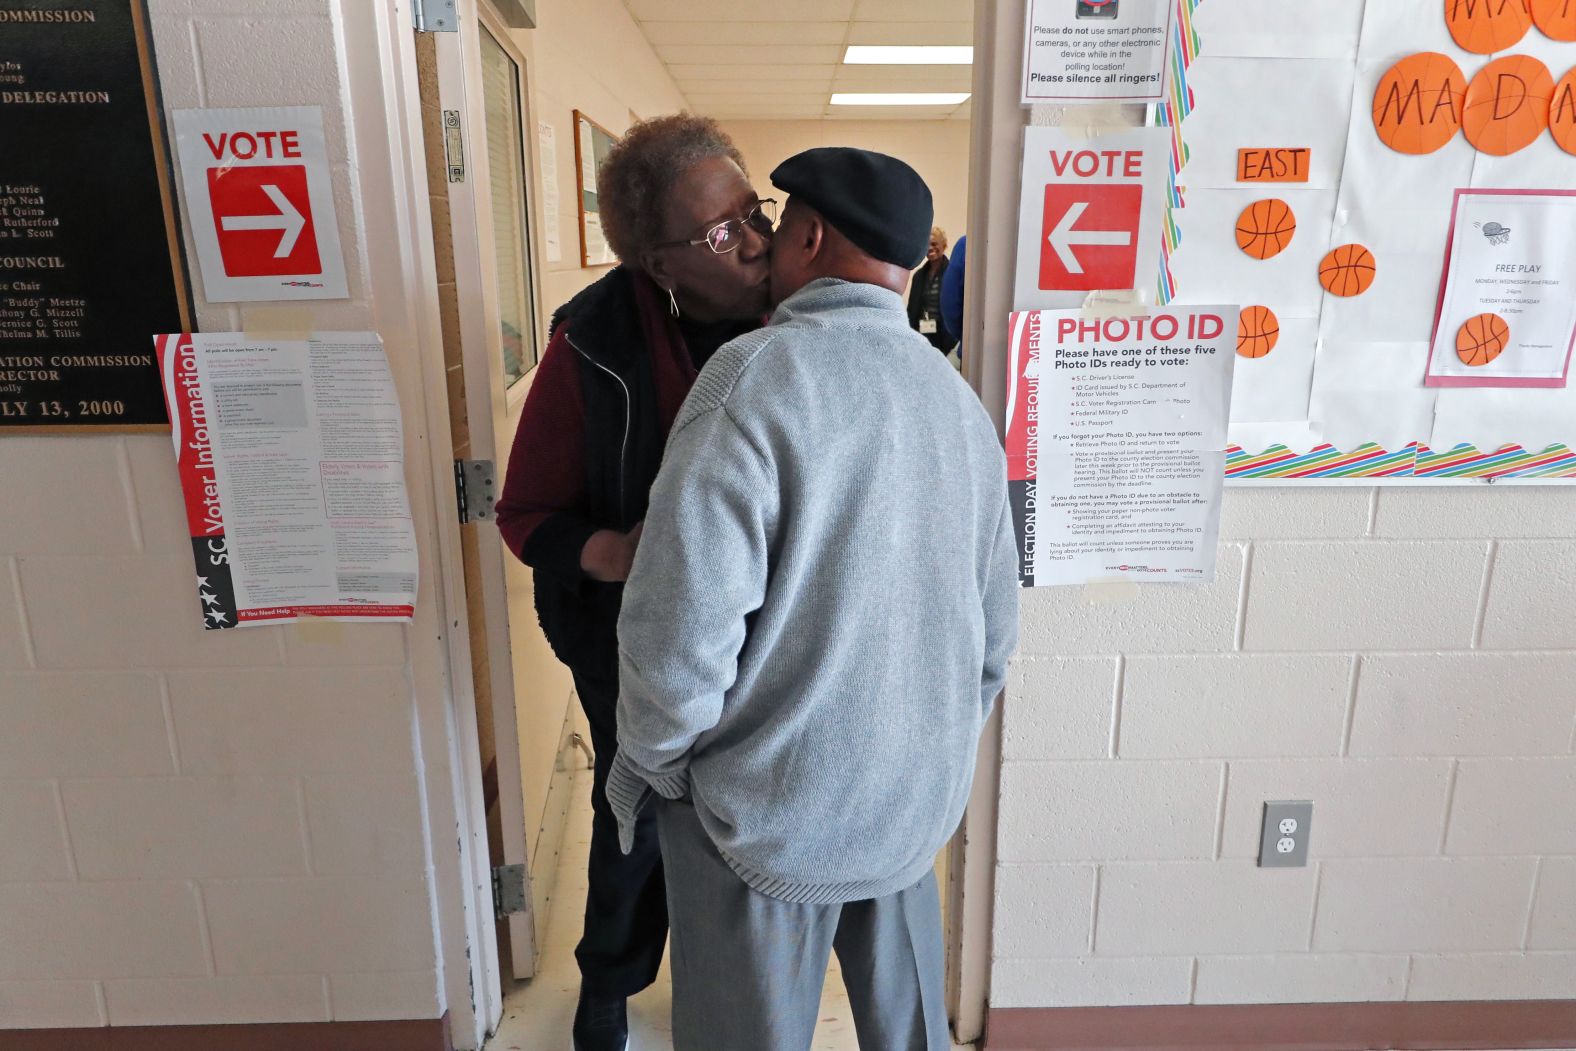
(592, 145)
(90, 259)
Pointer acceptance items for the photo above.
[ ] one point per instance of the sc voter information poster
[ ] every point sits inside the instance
(1091, 50)
(1116, 438)
(291, 457)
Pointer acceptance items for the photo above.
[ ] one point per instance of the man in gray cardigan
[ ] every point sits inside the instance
(818, 621)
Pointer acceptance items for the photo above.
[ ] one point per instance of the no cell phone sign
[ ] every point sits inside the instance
(259, 195)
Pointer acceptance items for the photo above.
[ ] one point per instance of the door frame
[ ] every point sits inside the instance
(459, 69)
(996, 130)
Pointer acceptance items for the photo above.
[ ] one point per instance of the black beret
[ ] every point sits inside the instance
(877, 202)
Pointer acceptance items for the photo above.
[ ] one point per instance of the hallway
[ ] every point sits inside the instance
(538, 1013)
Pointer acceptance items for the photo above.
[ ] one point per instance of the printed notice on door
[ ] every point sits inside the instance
(1116, 440)
(291, 459)
(1087, 50)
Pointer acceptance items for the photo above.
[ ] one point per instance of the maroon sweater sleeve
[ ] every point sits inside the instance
(541, 512)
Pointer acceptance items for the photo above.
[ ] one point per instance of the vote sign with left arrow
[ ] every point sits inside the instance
(259, 198)
(1090, 214)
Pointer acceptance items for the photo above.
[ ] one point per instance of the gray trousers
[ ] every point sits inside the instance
(748, 969)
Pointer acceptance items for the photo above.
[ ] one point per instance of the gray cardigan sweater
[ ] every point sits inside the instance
(823, 602)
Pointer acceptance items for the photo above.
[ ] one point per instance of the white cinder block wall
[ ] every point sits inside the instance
(1406, 658)
(209, 827)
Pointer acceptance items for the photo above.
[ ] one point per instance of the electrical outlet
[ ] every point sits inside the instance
(1284, 842)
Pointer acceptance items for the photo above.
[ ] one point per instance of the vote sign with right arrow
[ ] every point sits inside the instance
(260, 203)
(265, 223)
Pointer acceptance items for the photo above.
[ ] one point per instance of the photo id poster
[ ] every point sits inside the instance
(292, 464)
(1094, 50)
(1507, 304)
(1116, 439)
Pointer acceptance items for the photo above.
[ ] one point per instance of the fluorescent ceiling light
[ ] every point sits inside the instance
(868, 55)
(900, 98)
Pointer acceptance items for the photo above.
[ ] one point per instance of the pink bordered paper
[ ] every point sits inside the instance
(1433, 378)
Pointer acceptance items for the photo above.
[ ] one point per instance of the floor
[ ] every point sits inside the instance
(537, 1014)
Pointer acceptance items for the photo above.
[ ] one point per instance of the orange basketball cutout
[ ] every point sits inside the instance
(1265, 228)
(1555, 18)
(1508, 105)
(1562, 111)
(1487, 26)
(1482, 339)
(1347, 271)
(1418, 104)
(1258, 330)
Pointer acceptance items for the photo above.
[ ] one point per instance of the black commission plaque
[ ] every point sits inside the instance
(90, 266)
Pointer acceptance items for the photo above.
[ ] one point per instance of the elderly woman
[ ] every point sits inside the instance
(924, 294)
(693, 240)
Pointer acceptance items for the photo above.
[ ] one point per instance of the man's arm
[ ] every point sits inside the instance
(1001, 608)
(700, 569)
(952, 290)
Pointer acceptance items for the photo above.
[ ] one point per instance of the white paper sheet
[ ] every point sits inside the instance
(1096, 49)
(1116, 443)
(1211, 268)
(1089, 216)
(552, 239)
(291, 456)
(1280, 28)
(1266, 102)
(1278, 385)
(260, 203)
(1478, 416)
(1513, 261)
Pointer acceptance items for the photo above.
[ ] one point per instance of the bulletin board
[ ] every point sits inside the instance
(593, 143)
(1332, 162)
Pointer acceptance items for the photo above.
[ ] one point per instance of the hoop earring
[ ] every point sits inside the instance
(673, 303)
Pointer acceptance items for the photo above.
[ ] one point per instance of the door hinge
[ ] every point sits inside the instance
(454, 145)
(475, 489)
(434, 16)
(508, 882)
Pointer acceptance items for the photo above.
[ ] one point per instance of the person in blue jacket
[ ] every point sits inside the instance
(952, 294)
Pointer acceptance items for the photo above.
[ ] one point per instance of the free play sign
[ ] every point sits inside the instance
(260, 201)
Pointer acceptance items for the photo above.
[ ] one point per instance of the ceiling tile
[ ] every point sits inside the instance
(891, 112)
(770, 33)
(755, 88)
(796, 112)
(687, 73)
(914, 11)
(747, 54)
(911, 33)
(704, 102)
(782, 59)
(904, 78)
(742, 10)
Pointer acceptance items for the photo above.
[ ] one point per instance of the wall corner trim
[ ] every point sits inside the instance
(1461, 1026)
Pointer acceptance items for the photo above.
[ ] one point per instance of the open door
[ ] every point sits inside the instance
(476, 114)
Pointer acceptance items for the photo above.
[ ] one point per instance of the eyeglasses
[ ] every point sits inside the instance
(727, 236)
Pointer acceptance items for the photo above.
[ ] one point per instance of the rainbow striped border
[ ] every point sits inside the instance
(1170, 114)
(1416, 461)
